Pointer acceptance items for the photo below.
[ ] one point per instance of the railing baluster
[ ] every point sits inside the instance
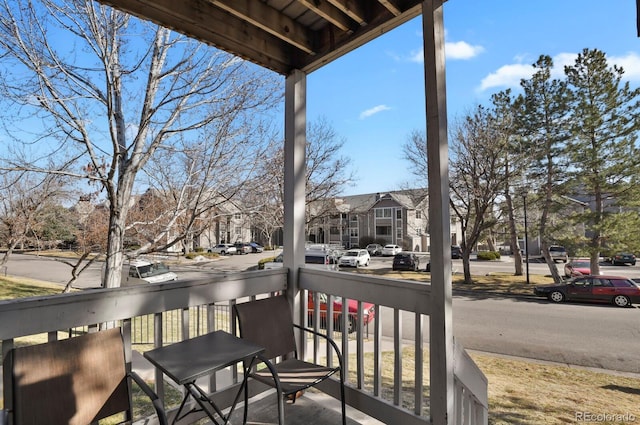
(344, 329)
(211, 326)
(232, 327)
(360, 348)
(315, 320)
(158, 328)
(185, 323)
(329, 319)
(377, 353)
(419, 364)
(397, 353)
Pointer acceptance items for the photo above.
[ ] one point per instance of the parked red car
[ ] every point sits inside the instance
(368, 312)
(577, 267)
(618, 290)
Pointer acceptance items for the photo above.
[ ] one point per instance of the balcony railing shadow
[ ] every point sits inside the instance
(387, 371)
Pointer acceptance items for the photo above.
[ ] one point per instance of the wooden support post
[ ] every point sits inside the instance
(440, 329)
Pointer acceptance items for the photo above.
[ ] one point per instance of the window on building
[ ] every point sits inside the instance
(383, 212)
(237, 216)
(353, 232)
(399, 233)
(418, 214)
(383, 231)
(238, 230)
(399, 214)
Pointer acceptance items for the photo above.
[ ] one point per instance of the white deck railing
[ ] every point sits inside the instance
(399, 396)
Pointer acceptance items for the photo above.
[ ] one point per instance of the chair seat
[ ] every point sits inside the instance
(295, 375)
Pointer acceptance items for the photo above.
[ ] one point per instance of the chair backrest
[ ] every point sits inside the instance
(268, 322)
(74, 381)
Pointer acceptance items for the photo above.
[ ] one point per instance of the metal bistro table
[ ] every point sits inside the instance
(188, 360)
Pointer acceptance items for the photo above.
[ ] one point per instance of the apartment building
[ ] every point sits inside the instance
(399, 217)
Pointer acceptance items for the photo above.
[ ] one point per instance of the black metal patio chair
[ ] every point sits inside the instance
(269, 323)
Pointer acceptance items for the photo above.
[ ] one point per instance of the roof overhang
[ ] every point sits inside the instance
(281, 35)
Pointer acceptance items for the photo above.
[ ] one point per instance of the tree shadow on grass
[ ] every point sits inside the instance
(628, 390)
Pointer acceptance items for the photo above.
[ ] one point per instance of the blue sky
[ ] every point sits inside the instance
(374, 97)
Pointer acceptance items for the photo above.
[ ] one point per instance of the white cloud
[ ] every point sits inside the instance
(461, 50)
(560, 61)
(417, 56)
(373, 111)
(510, 75)
(506, 76)
(452, 50)
(630, 63)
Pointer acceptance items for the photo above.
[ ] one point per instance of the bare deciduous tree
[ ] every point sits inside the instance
(326, 175)
(477, 177)
(188, 184)
(110, 91)
(24, 198)
(90, 239)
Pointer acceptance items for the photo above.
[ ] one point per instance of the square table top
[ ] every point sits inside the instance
(187, 360)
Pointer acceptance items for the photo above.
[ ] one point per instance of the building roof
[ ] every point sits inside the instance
(410, 199)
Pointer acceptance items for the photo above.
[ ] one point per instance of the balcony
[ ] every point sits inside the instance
(178, 310)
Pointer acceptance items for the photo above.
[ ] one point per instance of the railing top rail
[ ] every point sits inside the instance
(28, 316)
(402, 294)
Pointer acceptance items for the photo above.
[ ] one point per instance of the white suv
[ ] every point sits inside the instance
(391, 250)
(558, 253)
(355, 258)
(224, 249)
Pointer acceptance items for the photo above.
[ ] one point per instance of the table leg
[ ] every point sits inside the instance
(177, 417)
(203, 400)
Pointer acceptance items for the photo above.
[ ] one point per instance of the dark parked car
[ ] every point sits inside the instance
(623, 258)
(456, 254)
(256, 247)
(618, 290)
(406, 261)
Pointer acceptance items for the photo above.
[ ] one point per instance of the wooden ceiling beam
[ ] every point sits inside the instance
(391, 6)
(329, 13)
(269, 20)
(305, 35)
(352, 8)
(205, 22)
